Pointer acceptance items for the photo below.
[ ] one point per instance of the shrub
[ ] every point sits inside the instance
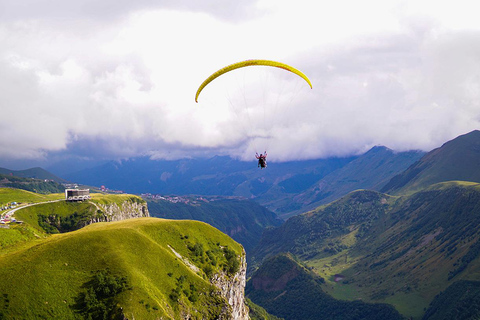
(99, 299)
(233, 265)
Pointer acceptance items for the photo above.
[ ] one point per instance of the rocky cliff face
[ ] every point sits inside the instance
(233, 290)
(230, 287)
(114, 212)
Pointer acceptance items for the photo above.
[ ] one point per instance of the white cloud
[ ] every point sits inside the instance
(115, 80)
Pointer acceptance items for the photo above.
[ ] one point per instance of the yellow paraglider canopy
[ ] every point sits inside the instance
(247, 63)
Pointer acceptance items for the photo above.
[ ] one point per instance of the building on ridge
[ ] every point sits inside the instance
(77, 194)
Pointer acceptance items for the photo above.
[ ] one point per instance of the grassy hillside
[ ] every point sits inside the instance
(371, 170)
(459, 301)
(35, 173)
(397, 250)
(34, 185)
(327, 230)
(17, 234)
(243, 220)
(287, 289)
(259, 313)
(103, 198)
(55, 281)
(458, 159)
(57, 217)
(49, 216)
(8, 195)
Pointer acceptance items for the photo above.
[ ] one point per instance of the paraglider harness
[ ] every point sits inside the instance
(262, 160)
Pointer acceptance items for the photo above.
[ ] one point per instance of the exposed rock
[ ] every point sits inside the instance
(233, 290)
(193, 267)
(128, 210)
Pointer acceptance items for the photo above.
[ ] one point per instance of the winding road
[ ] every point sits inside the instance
(9, 214)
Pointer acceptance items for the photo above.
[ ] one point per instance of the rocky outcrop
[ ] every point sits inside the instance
(114, 212)
(232, 288)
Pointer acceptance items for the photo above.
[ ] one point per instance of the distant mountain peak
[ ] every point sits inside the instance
(379, 148)
(457, 159)
(36, 172)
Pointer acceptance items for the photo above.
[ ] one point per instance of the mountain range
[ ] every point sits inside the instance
(384, 249)
(458, 159)
(31, 184)
(35, 173)
(371, 170)
(383, 235)
(416, 248)
(286, 188)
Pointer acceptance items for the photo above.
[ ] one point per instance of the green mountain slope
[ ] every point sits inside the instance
(371, 170)
(459, 301)
(327, 230)
(58, 217)
(42, 215)
(286, 289)
(458, 159)
(31, 184)
(258, 313)
(56, 277)
(13, 235)
(243, 220)
(397, 250)
(35, 173)
(23, 196)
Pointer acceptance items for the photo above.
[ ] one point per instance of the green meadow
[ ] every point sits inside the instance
(56, 270)
(8, 195)
(102, 198)
(52, 266)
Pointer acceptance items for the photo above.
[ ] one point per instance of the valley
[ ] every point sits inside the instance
(401, 245)
(135, 138)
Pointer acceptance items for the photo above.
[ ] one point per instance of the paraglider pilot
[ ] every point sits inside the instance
(262, 159)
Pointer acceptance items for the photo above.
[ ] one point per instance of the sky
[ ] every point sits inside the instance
(100, 80)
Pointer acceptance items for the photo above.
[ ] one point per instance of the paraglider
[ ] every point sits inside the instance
(262, 159)
(248, 63)
(262, 163)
